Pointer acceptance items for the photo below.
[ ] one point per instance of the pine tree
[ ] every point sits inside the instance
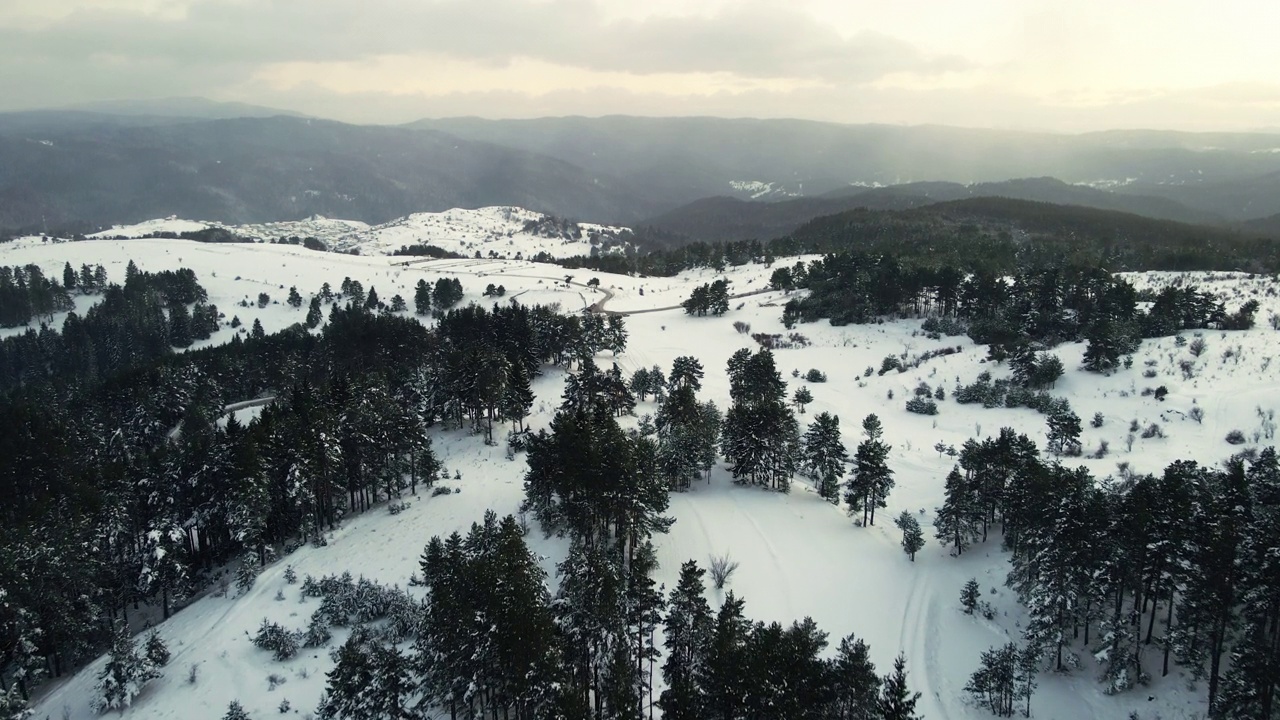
(371, 301)
(235, 711)
(422, 298)
(688, 630)
(398, 304)
(856, 686)
(295, 299)
(314, 315)
(957, 523)
(825, 455)
(13, 706)
(970, 595)
(1064, 432)
(156, 651)
(124, 675)
(1250, 687)
(897, 702)
(912, 537)
(180, 332)
(725, 678)
(871, 481)
(68, 277)
(801, 398)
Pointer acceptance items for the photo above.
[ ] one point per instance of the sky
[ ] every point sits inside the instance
(1025, 64)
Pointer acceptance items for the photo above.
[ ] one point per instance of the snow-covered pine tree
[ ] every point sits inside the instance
(897, 702)
(1251, 687)
(995, 681)
(13, 706)
(855, 684)
(724, 677)
(422, 298)
(1207, 608)
(969, 596)
(824, 455)
(956, 523)
(688, 631)
(871, 480)
(912, 537)
(156, 651)
(126, 672)
(236, 711)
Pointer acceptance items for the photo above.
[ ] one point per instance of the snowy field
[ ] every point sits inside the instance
(799, 555)
(492, 231)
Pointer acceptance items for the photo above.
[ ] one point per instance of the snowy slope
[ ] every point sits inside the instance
(799, 556)
(492, 231)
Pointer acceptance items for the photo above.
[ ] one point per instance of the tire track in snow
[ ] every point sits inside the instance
(919, 639)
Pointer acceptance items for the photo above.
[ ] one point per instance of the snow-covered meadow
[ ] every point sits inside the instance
(798, 554)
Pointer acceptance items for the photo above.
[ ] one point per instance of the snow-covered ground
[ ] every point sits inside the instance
(503, 231)
(799, 555)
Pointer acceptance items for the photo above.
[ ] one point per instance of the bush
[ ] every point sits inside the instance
(815, 376)
(1152, 431)
(921, 406)
(1235, 437)
(722, 568)
(1097, 420)
(741, 327)
(1196, 414)
(890, 362)
(1198, 346)
(1161, 392)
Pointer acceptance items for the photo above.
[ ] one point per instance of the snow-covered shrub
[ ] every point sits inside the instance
(1196, 413)
(1235, 437)
(235, 711)
(921, 406)
(1197, 347)
(282, 643)
(1152, 431)
(290, 575)
(1097, 420)
(815, 376)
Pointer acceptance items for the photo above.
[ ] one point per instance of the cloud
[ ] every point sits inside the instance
(755, 39)
(387, 60)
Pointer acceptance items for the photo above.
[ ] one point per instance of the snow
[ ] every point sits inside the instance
(499, 230)
(799, 555)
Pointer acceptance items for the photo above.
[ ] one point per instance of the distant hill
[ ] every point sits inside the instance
(1236, 199)
(248, 170)
(674, 160)
(1001, 232)
(1268, 226)
(183, 107)
(724, 218)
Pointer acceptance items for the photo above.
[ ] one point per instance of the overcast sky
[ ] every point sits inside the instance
(1037, 64)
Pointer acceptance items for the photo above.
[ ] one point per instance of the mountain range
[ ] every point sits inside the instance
(707, 178)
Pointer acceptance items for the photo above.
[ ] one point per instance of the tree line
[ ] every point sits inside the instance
(128, 487)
